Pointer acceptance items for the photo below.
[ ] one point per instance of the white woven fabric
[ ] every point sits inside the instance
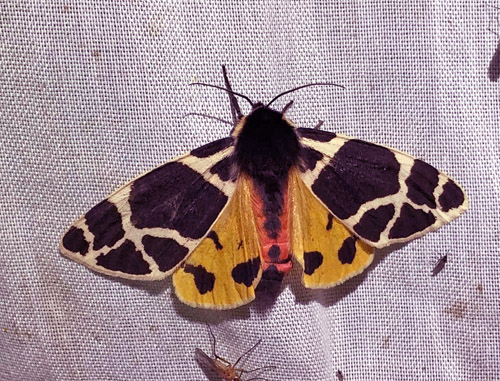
(92, 93)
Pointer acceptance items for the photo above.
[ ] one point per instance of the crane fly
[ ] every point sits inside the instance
(223, 368)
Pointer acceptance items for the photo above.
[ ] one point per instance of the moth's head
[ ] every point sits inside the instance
(262, 118)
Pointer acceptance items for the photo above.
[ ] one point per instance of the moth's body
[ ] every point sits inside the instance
(266, 149)
(234, 212)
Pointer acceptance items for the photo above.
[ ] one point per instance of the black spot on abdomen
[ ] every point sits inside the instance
(374, 222)
(359, 172)
(175, 196)
(411, 221)
(421, 183)
(452, 196)
(272, 224)
(166, 252)
(75, 241)
(105, 223)
(270, 282)
(246, 272)
(203, 280)
(274, 252)
(125, 258)
(312, 260)
(348, 250)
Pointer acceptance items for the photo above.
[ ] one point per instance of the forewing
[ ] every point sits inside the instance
(382, 195)
(225, 268)
(327, 251)
(146, 228)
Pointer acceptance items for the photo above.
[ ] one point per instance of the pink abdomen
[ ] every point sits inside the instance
(271, 217)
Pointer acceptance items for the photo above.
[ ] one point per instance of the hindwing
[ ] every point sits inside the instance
(327, 251)
(224, 270)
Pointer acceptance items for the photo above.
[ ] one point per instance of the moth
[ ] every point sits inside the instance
(224, 368)
(340, 376)
(439, 265)
(229, 216)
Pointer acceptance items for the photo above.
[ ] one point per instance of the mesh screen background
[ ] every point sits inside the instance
(93, 93)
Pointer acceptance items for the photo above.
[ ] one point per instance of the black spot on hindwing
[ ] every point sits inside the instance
(359, 172)
(75, 241)
(374, 222)
(347, 251)
(212, 148)
(214, 237)
(105, 222)
(313, 134)
(452, 196)
(175, 196)
(203, 280)
(411, 221)
(246, 272)
(329, 224)
(125, 258)
(166, 252)
(312, 260)
(421, 183)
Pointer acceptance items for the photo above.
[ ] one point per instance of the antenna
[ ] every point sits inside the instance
(235, 108)
(303, 86)
(224, 89)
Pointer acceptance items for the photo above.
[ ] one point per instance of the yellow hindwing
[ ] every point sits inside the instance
(327, 251)
(223, 271)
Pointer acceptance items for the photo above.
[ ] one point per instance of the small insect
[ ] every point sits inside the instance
(439, 265)
(223, 368)
(231, 216)
(340, 376)
(494, 68)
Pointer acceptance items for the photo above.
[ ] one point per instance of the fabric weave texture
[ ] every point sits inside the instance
(93, 93)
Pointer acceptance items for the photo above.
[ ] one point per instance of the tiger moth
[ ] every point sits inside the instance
(229, 216)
